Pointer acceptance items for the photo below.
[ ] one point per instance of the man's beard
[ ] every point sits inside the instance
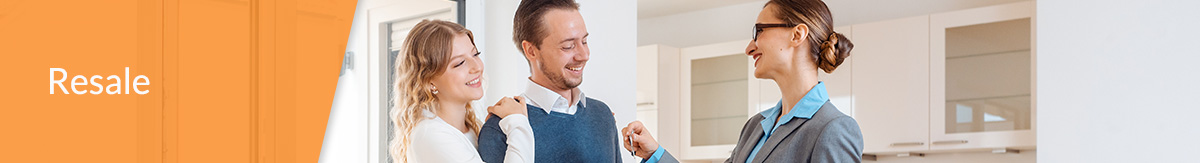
(558, 78)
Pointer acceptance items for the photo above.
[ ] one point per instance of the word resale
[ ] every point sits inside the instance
(116, 84)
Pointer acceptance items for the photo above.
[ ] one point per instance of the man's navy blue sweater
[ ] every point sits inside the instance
(588, 136)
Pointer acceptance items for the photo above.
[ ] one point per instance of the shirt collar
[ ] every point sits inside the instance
(546, 99)
(805, 108)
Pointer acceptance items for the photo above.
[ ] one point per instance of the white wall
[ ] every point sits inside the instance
(610, 72)
(346, 130)
(505, 67)
(1118, 80)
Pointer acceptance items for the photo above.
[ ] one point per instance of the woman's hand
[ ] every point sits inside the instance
(508, 106)
(638, 140)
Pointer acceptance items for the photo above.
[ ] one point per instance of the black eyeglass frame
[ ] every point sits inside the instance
(758, 28)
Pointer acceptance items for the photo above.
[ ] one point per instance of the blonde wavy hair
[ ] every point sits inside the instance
(425, 56)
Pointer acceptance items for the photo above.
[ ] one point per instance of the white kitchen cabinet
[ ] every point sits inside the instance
(717, 93)
(658, 73)
(891, 84)
(954, 81)
(658, 64)
(981, 69)
(647, 87)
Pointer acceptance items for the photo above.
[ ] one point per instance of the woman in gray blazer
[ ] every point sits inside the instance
(793, 39)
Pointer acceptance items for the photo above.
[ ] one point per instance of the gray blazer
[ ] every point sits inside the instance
(829, 136)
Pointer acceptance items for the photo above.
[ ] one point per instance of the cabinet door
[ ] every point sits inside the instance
(213, 110)
(667, 99)
(647, 87)
(891, 84)
(981, 68)
(717, 91)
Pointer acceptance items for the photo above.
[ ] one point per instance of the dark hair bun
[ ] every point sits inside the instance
(833, 52)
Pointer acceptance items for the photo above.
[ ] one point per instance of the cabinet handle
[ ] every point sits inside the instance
(908, 143)
(951, 142)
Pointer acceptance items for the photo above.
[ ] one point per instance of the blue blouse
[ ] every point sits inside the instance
(805, 108)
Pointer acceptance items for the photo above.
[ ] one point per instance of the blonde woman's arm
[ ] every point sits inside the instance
(516, 128)
(520, 139)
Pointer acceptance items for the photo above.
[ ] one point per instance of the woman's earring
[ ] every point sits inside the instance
(435, 91)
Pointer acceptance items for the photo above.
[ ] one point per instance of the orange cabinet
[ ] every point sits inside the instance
(230, 80)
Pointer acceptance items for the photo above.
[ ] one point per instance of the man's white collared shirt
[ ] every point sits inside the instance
(551, 101)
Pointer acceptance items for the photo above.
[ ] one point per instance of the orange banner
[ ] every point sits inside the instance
(169, 80)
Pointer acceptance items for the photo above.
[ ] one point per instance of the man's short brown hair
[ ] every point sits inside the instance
(527, 23)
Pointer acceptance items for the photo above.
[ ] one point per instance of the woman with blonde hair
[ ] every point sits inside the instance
(439, 74)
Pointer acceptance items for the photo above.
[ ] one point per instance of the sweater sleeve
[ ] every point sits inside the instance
(520, 139)
(617, 144)
(492, 141)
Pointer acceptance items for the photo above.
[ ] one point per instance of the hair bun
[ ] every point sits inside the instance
(834, 50)
(829, 46)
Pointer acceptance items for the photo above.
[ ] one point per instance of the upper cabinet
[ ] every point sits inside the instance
(659, 71)
(891, 84)
(647, 94)
(982, 82)
(955, 81)
(718, 94)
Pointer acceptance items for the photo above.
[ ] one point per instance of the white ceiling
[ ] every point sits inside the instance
(846, 11)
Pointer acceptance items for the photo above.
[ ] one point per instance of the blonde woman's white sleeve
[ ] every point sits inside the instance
(436, 144)
(520, 138)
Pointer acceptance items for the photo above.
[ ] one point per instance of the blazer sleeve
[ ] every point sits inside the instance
(492, 141)
(840, 141)
(667, 157)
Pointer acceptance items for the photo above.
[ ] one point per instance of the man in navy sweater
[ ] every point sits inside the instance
(567, 126)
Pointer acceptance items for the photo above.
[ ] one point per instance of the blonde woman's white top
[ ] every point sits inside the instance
(434, 140)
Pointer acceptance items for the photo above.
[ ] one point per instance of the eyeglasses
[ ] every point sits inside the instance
(758, 28)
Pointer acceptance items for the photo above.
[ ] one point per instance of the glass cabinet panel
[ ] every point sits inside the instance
(988, 77)
(718, 99)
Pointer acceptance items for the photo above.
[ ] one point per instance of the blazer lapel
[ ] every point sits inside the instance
(743, 150)
(782, 132)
